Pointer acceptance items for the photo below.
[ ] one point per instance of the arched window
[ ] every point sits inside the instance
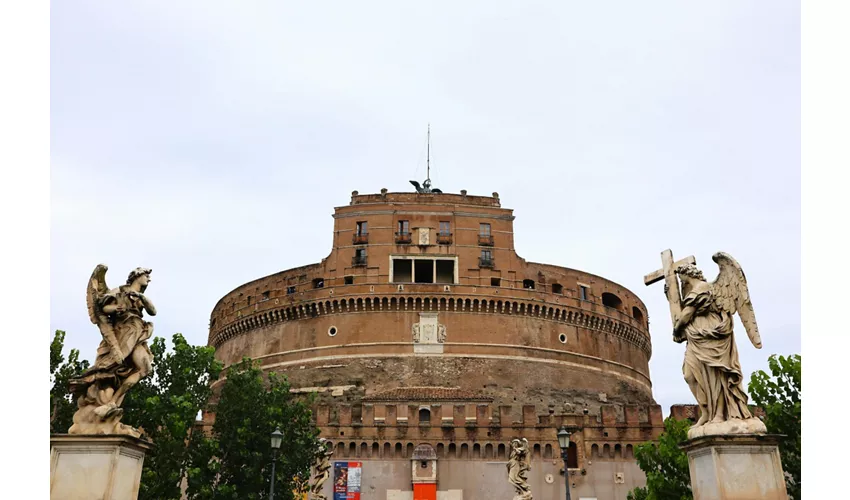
(424, 416)
(636, 314)
(376, 448)
(464, 450)
(452, 450)
(611, 300)
(488, 450)
(594, 450)
(364, 450)
(398, 450)
(388, 450)
(476, 450)
(547, 451)
(409, 450)
(352, 450)
(536, 451)
(501, 452)
(441, 450)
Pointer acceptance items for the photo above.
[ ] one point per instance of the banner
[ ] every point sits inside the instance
(347, 480)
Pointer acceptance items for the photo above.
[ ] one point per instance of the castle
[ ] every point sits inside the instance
(431, 345)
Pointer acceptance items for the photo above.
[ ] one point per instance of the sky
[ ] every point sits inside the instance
(211, 140)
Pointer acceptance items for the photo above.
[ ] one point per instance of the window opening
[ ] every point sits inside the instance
(402, 271)
(423, 271)
(424, 416)
(495, 281)
(290, 290)
(445, 271)
(557, 288)
(582, 292)
(529, 284)
(611, 300)
(319, 283)
(349, 280)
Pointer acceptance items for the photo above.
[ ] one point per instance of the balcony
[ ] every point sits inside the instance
(358, 260)
(360, 239)
(488, 263)
(444, 238)
(403, 238)
(485, 240)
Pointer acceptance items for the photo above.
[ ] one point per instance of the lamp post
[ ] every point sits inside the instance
(277, 437)
(564, 443)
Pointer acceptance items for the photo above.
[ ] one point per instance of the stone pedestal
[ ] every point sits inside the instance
(96, 467)
(736, 467)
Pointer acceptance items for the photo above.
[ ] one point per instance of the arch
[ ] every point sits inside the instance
(618, 451)
(468, 304)
(376, 449)
(417, 304)
(547, 451)
(488, 450)
(535, 454)
(424, 416)
(606, 450)
(464, 451)
(441, 450)
(364, 450)
(398, 450)
(501, 451)
(340, 449)
(476, 450)
(388, 451)
(352, 449)
(385, 303)
(475, 306)
(637, 314)
(452, 450)
(409, 452)
(630, 452)
(611, 300)
(443, 304)
(394, 304)
(594, 451)
(572, 456)
(451, 304)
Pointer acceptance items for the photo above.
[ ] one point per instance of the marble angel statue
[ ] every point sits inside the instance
(518, 468)
(321, 468)
(123, 356)
(711, 366)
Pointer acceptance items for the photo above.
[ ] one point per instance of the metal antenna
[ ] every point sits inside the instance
(429, 153)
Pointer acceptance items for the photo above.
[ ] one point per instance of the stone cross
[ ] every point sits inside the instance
(668, 274)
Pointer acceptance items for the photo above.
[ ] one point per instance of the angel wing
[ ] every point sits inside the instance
(435, 190)
(417, 186)
(96, 288)
(732, 295)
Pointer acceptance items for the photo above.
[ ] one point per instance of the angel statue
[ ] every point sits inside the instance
(321, 468)
(123, 357)
(518, 469)
(703, 317)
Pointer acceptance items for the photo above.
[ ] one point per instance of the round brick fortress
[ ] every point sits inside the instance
(426, 290)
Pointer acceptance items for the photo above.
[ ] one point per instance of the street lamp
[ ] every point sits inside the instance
(564, 443)
(277, 437)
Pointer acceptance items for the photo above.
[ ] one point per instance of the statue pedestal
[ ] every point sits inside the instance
(736, 467)
(96, 467)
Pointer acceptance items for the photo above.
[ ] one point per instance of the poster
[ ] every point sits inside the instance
(347, 480)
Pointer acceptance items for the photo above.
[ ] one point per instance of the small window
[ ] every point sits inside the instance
(332, 331)
(445, 228)
(562, 338)
(212, 323)
(611, 300)
(582, 292)
(404, 226)
(249, 300)
(637, 314)
(445, 270)
(319, 283)
(424, 416)
(529, 284)
(349, 280)
(484, 229)
(290, 290)
(557, 288)
(486, 255)
(362, 228)
(266, 295)
(495, 281)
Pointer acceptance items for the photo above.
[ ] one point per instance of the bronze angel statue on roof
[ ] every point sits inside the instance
(123, 357)
(703, 316)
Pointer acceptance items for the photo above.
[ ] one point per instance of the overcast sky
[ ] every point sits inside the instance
(211, 140)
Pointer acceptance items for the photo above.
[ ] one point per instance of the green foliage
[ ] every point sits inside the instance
(62, 403)
(166, 404)
(665, 465)
(780, 396)
(235, 462)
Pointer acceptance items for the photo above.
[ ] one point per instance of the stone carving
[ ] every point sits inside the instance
(416, 333)
(321, 468)
(703, 315)
(518, 468)
(441, 333)
(123, 357)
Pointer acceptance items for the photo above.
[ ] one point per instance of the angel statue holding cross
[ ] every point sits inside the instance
(123, 357)
(703, 316)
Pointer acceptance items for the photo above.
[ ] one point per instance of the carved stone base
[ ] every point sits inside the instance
(102, 467)
(732, 426)
(736, 467)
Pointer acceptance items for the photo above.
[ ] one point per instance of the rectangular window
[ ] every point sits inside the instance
(362, 228)
(486, 255)
(445, 228)
(495, 281)
(402, 271)
(445, 271)
(423, 271)
(290, 290)
(582, 292)
(404, 226)
(266, 295)
(318, 282)
(349, 280)
(484, 229)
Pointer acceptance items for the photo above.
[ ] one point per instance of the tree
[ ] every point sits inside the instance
(665, 465)
(235, 461)
(165, 405)
(62, 402)
(780, 396)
